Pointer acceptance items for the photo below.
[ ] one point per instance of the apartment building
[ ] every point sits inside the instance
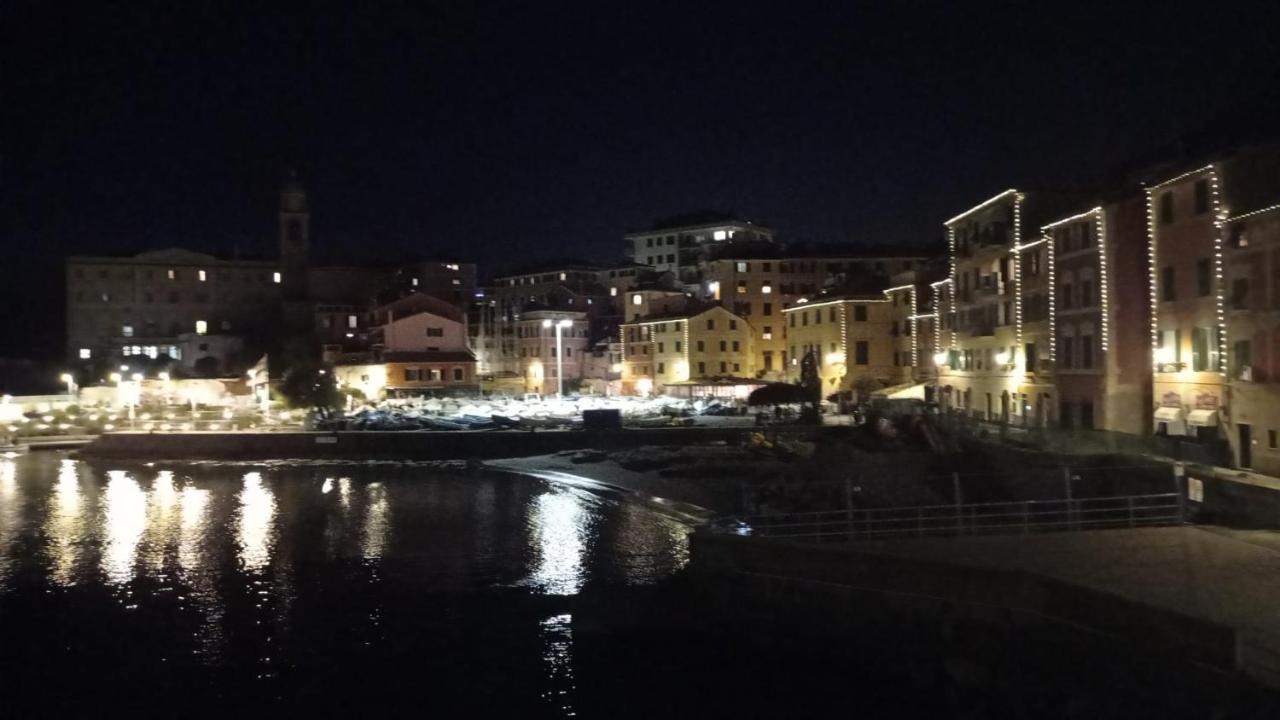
(679, 245)
(124, 308)
(852, 340)
(1188, 338)
(697, 344)
(998, 365)
(758, 288)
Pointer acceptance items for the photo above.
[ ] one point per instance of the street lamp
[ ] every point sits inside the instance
(939, 359)
(70, 380)
(559, 326)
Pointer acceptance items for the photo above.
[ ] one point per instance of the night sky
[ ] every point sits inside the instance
(507, 133)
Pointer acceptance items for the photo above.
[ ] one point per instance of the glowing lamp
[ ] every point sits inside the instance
(940, 358)
(1165, 356)
(1002, 357)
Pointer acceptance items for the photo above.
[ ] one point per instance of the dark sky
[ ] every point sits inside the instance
(504, 133)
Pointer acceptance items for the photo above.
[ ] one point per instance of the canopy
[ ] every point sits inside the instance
(1169, 414)
(906, 391)
(1203, 418)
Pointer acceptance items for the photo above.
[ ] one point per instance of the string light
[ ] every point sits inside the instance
(1152, 264)
(1097, 216)
(1251, 214)
(1219, 215)
(983, 204)
(1017, 273)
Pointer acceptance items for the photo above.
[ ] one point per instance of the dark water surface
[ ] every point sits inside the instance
(339, 590)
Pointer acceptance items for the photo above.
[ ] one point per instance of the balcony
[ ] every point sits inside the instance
(983, 330)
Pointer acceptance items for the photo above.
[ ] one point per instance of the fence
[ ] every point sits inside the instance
(1084, 442)
(973, 519)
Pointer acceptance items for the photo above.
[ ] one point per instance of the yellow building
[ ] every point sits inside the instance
(679, 347)
(1252, 251)
(857, 340)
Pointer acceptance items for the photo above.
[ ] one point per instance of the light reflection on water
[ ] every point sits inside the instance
(8, 511)
(246, 565)
(66, 526)
(559, 527)
(254, 531)
(557, 659)
(124, 506)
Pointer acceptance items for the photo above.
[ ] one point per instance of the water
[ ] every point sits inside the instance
(257, 585)
(320, 590)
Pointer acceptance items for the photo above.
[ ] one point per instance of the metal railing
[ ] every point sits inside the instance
(1020, 517)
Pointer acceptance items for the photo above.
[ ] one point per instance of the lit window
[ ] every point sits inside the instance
(767, 334)
(352, 321)
(202, 327)
(766, 288)
(719, 235)
(415, 282)
(203, 275)
(636, 299)
(613, 292)
(742, 267)
(456, 281)
(451, 266)
(126, 330)
(85, 353)
(564, 276)
(275, 278)
(173, 274)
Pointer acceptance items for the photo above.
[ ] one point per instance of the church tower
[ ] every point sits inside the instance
(295, 244)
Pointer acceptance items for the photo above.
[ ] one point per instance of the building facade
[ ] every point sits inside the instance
(662, 352)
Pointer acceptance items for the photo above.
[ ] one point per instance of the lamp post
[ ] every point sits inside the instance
(939, 359)
(559, 326)
(70, 380)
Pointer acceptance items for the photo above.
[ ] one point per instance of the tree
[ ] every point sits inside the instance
(865, 385)
(311, 385)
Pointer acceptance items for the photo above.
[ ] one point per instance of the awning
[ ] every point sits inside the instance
(1168, 414)
(901, 392)
(1203, 418)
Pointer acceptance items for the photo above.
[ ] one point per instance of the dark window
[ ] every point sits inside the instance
(1204, 283)
(1086, 351)
(1202, 197)
(1030, 350)
(701, 347)
(662, 367)
(457, 374)
(832, 314)
(711, 324)
(860, 313)
(860, 352)
(733, 324)
(1086, 414)
(1200, 349)
(768, 309)
(723, 346)
(724, 367)
(1167, 289)
(1240, 294)
(1241, 357)
(1166, 207)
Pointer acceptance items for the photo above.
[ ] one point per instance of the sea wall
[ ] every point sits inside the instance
(842, 592)
(447, 445)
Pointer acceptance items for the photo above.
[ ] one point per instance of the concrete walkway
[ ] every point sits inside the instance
(1229, 577)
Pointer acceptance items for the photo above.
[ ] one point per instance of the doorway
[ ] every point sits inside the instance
(1246, 445)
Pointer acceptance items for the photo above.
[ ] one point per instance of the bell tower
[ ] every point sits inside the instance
(295, 243)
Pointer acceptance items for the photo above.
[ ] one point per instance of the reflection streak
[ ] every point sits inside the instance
(559, 523)
(125, 520)
(257, 511)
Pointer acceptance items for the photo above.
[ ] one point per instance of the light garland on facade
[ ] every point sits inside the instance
(1017, 275)
(1098, 216)
(1259, 211)
(1152, 265)
(1219, 215)
(983, 204)
(915, 332)
(1103, 295)
(1219, 220)
(951, 296)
